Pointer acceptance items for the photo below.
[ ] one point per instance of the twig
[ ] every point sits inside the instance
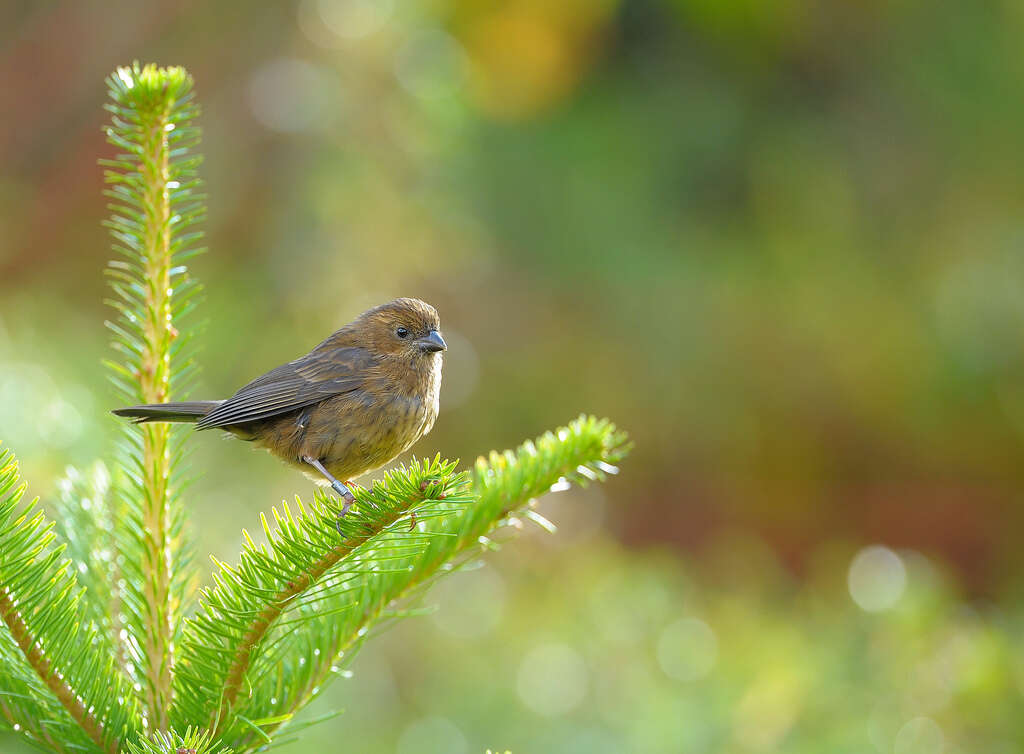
(66, 695)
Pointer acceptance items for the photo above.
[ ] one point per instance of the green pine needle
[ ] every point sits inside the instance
(155, 207)
(194, 742)
(311, 651)
(305, 572)
(85, 521)
(57, 682)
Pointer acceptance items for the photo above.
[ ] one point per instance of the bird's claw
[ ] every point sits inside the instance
(348, 500)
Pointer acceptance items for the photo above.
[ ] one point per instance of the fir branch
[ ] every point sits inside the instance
(52, 678)
(85, 521)
(300, 564)
(153, 186)
(194, 741)
(40, 606)
(29, 708)
(504, 486)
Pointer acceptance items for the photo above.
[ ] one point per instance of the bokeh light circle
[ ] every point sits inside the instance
(877, 578)
(351, 19)
(552, 680)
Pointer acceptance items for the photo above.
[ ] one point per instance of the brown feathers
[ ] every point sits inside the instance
(357, 400)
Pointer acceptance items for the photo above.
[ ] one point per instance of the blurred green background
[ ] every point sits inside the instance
(779, 242)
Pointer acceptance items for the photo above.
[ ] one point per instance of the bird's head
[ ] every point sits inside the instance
(406, 328)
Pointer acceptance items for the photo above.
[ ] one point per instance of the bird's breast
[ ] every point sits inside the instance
(373, 426)
(432, 396)
(415, 412)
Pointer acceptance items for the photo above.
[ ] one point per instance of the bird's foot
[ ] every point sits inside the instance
(345, 493)
(347, 500)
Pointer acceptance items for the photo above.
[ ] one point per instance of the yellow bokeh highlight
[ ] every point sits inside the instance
(527, 55)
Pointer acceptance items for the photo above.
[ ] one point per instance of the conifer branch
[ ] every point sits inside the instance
(153, 185)
(295, 587)
(53, 680)
(46, 624)
(154, 383)
(194, 741)
(30, 727)
(503, 486)
(304, 559)
(85, 521)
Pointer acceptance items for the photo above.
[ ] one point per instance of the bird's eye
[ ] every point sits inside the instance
(401, 332)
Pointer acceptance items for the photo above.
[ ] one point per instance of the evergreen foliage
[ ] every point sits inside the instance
(155, 207)
(106, 651)
(58, 684)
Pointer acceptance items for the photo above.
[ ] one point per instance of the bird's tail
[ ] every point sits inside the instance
(188, 411)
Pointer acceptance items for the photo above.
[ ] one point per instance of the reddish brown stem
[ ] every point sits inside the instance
(266, 618)
(53, 680)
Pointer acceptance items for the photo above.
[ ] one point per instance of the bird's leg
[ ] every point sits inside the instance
(339, 487)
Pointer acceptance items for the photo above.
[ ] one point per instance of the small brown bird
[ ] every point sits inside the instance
(349, 406)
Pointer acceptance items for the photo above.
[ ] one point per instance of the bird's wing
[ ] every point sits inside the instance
(315, 377)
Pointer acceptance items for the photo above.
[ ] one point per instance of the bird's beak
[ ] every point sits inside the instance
(432, 343)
